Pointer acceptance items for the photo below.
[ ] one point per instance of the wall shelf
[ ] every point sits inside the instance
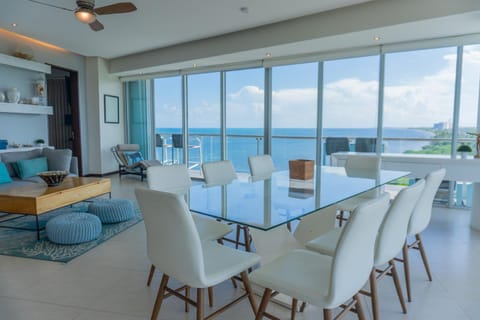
(25, 108)
(24, 64)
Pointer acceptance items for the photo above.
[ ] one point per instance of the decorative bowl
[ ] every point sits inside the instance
(53, 178)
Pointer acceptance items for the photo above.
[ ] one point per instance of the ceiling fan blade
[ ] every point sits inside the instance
(121, 7)
(96, 25)
(51, 5)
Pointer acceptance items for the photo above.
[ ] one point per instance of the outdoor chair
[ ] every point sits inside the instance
(365, 144)
(131, 161)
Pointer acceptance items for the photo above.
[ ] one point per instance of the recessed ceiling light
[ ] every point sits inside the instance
(14, 25)
(268, 54)
(376, 38)
(244, 9)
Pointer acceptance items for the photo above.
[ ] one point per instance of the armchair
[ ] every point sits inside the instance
(130, 160)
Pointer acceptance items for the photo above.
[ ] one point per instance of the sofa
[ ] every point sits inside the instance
(32, 162)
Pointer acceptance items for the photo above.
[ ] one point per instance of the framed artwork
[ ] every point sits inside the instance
(111, 109)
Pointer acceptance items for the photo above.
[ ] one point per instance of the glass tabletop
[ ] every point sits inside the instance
(268, 203)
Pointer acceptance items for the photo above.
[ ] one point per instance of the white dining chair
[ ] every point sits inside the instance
(389, 242)
(219, 173)
(261, 166)
(324, 281)
(361, 166)
(175, 248)
(418, 222)
(175, 179)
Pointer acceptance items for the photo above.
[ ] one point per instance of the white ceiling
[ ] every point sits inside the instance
(155, 24)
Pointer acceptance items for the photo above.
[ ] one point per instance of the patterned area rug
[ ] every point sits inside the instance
(21, 243)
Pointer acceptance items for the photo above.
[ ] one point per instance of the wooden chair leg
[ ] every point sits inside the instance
(396, 280)
(302, 307)
(246, 235)
(263, 305)
(374, 295)
(150, 275)
(406, 271)
(237, 236)
(248, 288)
(327, 314)
(159, 300)
(294, 309)
(200, 302)
(210, 296)
(424, 256)
(234, 283)
(340, 218)
(187, 294)
(359, 307)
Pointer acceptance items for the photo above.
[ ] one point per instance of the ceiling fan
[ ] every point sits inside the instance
(87, 13)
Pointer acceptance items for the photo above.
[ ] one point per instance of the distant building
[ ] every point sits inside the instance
(442, 125)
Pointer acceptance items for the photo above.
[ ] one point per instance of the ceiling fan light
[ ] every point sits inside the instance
(85, 15)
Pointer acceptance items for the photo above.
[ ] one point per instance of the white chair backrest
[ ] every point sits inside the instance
(423, 210)
(353, 260)
(172, 178)
(393, 231)
(261, 166)
(218, 172)
(363, 165)
(173, 243)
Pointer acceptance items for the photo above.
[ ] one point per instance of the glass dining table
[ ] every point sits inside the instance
(269, 203)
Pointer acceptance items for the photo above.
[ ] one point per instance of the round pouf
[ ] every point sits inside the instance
(73, 228)
(112, 210)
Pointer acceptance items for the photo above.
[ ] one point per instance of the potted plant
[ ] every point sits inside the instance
(464, 149)
(40, 142)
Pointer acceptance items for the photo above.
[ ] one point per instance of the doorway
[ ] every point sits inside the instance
(64, 124)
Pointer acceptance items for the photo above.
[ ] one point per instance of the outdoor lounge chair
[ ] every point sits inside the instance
(130, 160)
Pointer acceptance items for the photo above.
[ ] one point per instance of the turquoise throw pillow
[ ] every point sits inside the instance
(31, 167)
(4, 176)
(133, 157)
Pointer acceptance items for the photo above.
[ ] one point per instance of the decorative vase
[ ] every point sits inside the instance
(13, 95)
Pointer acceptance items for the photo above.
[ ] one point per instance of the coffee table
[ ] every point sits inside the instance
(36, 199)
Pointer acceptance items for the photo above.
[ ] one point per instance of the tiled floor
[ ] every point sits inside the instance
(108, 282)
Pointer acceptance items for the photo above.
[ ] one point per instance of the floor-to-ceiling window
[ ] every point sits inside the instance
(204, 118)
(294, 113)
(244, 95)
(350, 99)
(419, 99)
(168, 116)
(138, 115)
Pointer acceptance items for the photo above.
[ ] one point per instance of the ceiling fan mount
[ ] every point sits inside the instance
(87, 13)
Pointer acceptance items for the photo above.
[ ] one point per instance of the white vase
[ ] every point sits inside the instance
(13, 95)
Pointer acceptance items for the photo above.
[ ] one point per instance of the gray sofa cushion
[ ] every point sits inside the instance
(9, 157)
(58, 159)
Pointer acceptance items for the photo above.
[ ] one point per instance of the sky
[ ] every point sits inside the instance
(419, 91)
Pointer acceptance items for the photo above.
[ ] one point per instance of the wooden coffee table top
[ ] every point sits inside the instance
(38, 198)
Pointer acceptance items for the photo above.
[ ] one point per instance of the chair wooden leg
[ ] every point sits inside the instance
(187, 294)
(327, 314)
(294, 309)
(150, 275)
(374, 295)
(340, 218)
(200, 302)
(210, 296)
(424, 256)
(246, 235)
(159, 300)
(234, 283)
(406, 271)
(248, 288)
(396, 280)
(359, 307)
(237, 236)
(302, 307)
(263, 305)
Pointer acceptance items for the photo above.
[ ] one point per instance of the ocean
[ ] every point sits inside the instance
(287, 143)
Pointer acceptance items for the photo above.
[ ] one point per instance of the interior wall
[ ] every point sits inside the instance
(55, 56)
(106, 134)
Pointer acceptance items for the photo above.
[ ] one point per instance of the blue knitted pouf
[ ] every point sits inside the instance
(73, 228)
(112, 210)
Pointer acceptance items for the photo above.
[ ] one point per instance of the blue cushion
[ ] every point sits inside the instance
(31, 167)
(133, 157)
(73, 228)
(112, 210)
(4, 176)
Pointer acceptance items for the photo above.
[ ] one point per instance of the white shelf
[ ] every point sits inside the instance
(25, 108)
(24, 64)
